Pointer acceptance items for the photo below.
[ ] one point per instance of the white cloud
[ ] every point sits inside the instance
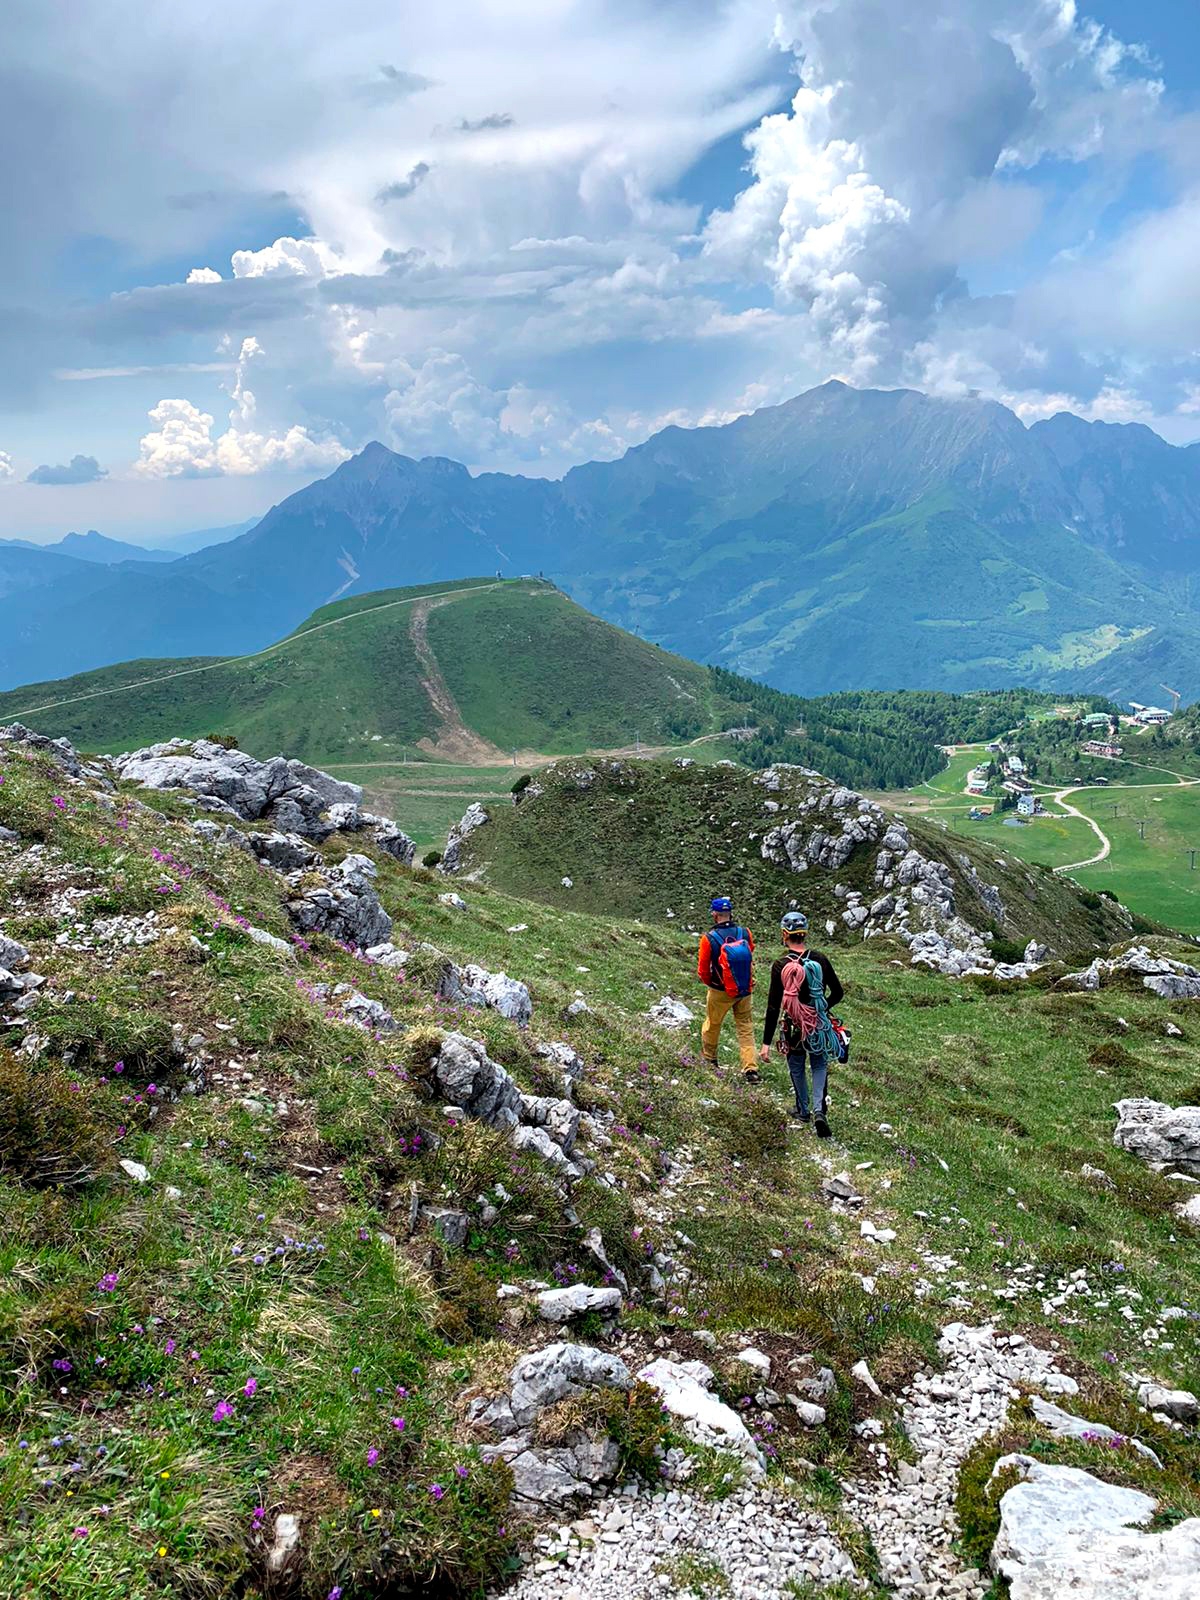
(538, 290)
(888, 172)
(286, 258)
(183, 446)
(7, 470)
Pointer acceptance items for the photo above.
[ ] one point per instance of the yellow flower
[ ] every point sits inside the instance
(164, 1474)
(375, 1511)
(162, 1549)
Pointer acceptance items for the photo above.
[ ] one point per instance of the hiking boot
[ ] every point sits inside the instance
(824, 1131)
(709, 1061)
(800, 1119)
(753, 1076)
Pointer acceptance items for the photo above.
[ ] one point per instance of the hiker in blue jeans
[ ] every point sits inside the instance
(805, 1035)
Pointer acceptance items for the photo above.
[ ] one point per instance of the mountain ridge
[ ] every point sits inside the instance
(846, 538)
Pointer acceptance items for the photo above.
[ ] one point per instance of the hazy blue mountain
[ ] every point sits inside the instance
(89, 546)
(1134, 494)
(848, 538)
(182, 544)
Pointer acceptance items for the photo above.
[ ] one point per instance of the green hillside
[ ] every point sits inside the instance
(523, 665)
(255, 1330)
(469, 672)
(658, 839)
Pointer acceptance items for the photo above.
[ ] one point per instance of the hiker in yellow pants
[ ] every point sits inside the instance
(724, 967)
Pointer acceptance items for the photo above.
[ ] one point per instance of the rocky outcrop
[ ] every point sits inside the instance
(286, 852)
(61, 751)
(346, 817)
(834, 823)
(474, 985)
(558, 1372)
(345, 906)
(18, 987)
(1172, 980)
(551, 1476)
(1064, 1532)
(291, 794)
(475, 816)
(1164, 1135)
(463, 1075)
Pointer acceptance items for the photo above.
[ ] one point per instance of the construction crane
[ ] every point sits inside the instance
(1175, 698)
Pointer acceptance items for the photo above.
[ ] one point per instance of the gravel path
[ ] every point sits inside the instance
(631, 1547)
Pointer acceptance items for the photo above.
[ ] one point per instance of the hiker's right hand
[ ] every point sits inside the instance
(764, 1053)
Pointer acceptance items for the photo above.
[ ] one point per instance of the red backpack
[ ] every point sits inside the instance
(812, 1024)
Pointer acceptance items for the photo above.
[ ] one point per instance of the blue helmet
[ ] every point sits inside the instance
(793, 922)
(721, 902)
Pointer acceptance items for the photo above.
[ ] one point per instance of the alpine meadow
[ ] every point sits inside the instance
(600, 802)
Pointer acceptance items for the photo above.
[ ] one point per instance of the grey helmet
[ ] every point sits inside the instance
(793, 922)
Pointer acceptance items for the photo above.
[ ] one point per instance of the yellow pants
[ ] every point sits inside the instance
(719, 1006)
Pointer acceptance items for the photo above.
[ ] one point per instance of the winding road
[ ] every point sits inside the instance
(1060, 799)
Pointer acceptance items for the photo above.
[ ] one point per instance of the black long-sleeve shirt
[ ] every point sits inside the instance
(833, 989)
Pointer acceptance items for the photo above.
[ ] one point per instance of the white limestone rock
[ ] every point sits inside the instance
(1179, 1404)
(1067, 1426)
(475, 816)
(684, 1387)
(757, 1360)
(346, 906)
(558, 1371)
(1160, 1133)
(671, 1013)
(498, 992)
(561, 1305)
(1064, 1532)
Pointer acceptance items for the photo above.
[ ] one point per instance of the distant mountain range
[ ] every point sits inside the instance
(93, 546)
(848, 538)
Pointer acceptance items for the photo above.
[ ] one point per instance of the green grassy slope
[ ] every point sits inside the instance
(656, 839)
(538, 672)
(533, 669)
(972, 1112)
(1151, 868)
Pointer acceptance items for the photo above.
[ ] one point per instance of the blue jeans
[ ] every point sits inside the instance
(819, 1065)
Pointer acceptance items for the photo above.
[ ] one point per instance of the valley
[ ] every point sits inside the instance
(1142, 825)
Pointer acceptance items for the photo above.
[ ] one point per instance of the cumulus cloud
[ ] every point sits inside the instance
(441, 408)
(894, 167)
(946, 199)
(286, 258)
(182, 444)
(80, 469)
(6, 466)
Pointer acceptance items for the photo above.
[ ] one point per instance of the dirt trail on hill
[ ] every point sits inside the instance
(455, 741)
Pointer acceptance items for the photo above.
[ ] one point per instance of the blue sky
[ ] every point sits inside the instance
(244, 242)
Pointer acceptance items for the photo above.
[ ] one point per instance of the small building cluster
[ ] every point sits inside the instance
(1102, 747)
